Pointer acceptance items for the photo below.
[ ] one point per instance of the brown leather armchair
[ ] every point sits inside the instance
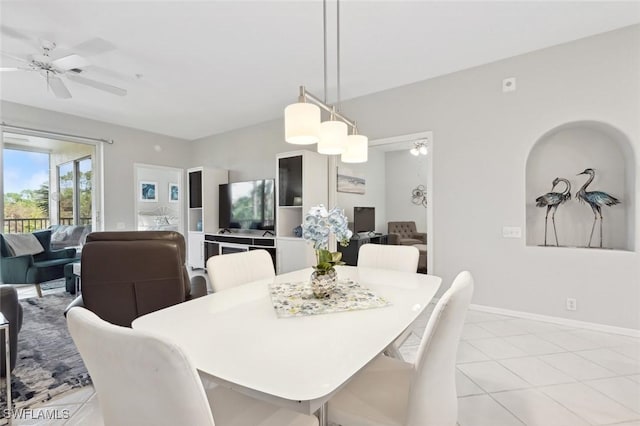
(405, 233)
(129, 274)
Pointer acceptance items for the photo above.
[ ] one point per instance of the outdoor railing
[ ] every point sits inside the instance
(17, 226)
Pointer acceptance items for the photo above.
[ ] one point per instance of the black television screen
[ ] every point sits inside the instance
(247, 205)
(364, 219)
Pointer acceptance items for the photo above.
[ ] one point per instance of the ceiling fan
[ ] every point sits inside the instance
(70, 66)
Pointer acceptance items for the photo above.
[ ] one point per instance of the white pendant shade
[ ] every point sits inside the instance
(356, 149)
(302, 123)
(333, 137)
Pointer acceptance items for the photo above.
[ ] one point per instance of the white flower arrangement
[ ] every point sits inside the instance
(318, 224)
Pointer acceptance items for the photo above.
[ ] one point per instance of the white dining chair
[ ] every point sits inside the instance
(392, 392)
(229, 270)
(396, 258)
(142, 380)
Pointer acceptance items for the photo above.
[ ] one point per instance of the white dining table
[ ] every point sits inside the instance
(235, 337)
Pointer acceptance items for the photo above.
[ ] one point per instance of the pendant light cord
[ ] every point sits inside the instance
(339, 103)
(324, 33)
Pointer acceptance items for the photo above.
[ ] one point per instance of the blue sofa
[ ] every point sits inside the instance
(38, 268)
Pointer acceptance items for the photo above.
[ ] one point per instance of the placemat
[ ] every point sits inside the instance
(295, 299)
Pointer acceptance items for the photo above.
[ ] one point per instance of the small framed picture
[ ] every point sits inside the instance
(148, 191)
(174, 193)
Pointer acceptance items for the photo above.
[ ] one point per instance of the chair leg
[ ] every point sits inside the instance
(39, 290)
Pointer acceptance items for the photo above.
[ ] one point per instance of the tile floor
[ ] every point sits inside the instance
(510, 371)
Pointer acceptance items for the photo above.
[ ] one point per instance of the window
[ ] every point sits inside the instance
(74, 192)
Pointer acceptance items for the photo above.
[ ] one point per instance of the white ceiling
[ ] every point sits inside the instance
(213, 66)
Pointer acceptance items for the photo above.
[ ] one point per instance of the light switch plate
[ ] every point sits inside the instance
(511, 232)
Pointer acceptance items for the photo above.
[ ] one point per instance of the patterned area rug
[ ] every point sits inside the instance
(48, 362)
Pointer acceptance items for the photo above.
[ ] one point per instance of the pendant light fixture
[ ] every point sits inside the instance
(333, 136)
(356, 150)
(302, 119)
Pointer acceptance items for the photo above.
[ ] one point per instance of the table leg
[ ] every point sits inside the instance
(8, 370)
(323, 419)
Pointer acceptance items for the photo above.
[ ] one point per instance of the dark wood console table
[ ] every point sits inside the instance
(350, 253)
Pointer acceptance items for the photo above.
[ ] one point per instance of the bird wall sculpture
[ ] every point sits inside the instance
(595, 199)
(551, 200)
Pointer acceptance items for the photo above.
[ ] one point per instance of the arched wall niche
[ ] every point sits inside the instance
(565, 151)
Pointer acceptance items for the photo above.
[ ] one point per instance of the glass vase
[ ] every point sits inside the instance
(323, 283)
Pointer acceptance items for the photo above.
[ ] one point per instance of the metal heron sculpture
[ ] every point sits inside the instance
(551, 200)
(595, 199)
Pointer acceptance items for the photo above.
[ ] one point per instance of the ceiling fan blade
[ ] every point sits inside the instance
(97, 85)
(58, 88)
(16, 33)
(3, 69)
(14, 57)
(70, 62)
(94, 46)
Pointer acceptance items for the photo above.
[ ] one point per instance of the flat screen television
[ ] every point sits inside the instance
(364, 219)
(247, 205)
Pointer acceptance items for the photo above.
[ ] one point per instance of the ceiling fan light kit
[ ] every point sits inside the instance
(302, 120)
(69, 66)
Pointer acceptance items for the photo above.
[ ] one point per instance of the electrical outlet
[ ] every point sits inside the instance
(120, 225)
(571, 304)
(511, 232)
(509, 84)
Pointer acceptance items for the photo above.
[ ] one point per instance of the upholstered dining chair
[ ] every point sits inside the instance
(229, 270)
(392, 392)
(397, 258)
(143, 380)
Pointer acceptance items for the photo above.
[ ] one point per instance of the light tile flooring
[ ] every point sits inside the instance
(510, 372)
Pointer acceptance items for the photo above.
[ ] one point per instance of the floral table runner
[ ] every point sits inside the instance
(295, 299)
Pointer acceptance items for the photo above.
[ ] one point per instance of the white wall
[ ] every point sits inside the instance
(565, 153)
(248, 153)
(482, 138)
(131, 146)
(374, 173)
(404, 173)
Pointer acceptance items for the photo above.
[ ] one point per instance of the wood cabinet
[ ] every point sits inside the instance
(202, 217)
(301, 183)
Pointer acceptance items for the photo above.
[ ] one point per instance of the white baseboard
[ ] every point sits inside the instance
(557, 320)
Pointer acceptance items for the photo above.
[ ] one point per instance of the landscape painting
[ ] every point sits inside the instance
(349, 183)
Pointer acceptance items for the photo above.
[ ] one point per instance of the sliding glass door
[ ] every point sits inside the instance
(47, 181)
(75, 199)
